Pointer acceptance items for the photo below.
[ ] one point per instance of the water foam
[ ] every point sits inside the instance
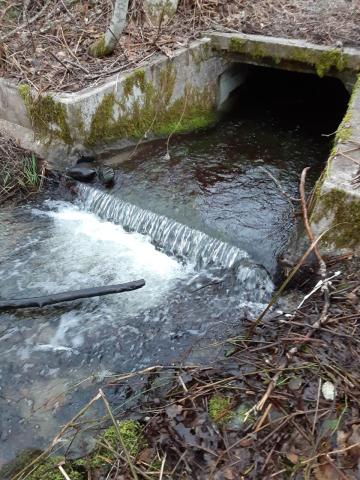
(174, 238)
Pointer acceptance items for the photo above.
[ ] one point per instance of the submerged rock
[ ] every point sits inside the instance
(107, 176)
(82, 174)
(85, 159)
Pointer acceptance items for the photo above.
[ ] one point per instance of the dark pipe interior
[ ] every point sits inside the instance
(299, 100)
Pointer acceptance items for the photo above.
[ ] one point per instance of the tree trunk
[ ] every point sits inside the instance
(106, 44)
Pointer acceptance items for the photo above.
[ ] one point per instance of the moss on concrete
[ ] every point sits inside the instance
(147, 106)
(237, 45)
(47, 116)
(200, 54)
(345, 213)
(344, 131)
(99, 49)
(330, 59)
(322, 61)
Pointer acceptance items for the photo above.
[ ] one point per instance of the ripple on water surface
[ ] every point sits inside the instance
(56, 246)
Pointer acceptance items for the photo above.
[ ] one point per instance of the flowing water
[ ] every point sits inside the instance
(204, 229)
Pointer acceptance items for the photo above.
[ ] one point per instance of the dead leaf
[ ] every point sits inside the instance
(146, 455)
(292, 457)
(325, 471)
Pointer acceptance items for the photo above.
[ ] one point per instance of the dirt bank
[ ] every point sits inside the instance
(51, 52)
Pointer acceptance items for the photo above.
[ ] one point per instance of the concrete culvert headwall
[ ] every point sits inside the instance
(185, 93)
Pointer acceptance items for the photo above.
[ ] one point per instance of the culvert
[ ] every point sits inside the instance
(205, 227)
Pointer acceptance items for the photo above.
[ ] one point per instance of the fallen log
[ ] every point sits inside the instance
(67, 296)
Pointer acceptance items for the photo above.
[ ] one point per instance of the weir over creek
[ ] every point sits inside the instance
(205, 229)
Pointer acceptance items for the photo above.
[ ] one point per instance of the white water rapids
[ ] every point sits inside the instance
(197, 289)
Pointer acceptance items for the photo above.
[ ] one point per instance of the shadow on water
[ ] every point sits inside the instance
(200, 228)
(216, 180)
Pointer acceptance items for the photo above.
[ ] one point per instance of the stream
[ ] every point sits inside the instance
(204, 229)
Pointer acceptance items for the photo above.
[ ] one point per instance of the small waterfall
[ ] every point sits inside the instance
(174, 238)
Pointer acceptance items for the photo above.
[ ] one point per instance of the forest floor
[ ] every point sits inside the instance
(45, 43)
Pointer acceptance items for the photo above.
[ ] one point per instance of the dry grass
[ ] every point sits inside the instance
(19, 171)
(47, 46)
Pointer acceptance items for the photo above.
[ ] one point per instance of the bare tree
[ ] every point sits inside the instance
(106, 44)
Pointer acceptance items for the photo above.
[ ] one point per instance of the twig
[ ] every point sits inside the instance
(317, 408)
(349, 158)
(284, 285)
(162, 467)
(309, 232)
(63, 473)
(167, 156)
(117, 429)
(276, 181)
(31, 20)
(57, 439)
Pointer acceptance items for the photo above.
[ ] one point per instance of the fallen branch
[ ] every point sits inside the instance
(322, 264)
(67, 296)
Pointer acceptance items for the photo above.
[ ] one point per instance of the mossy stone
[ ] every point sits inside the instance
(47, 116)
(99, 49)
(345, 213)
(322, 61)
(145, 107)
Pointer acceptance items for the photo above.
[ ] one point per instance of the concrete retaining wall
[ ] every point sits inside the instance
(165, 96)
(337, 203)
(183, 94)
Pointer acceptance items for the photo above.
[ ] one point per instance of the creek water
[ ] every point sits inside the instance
(203, 228)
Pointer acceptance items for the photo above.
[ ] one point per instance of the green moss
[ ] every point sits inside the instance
(345, 213)
(237, 45)
(322, 61)
(48, 470)
(145, 107)
(99, 49)
(104, 455)
(319, 184)
(330, 59)
(19, 463)
(219, 409)
(131, 434)
(344, 132)
(200, 54)
(102, 120)
(135, 79)
(48, 117)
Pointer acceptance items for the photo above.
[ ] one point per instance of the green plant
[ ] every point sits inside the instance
(220, 409)
(30, 170)
(49, 470)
